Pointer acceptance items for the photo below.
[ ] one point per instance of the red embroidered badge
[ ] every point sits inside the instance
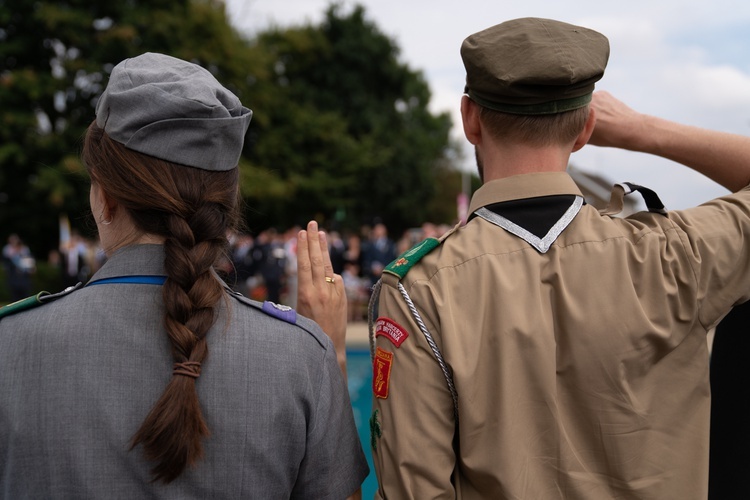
(382, 372)
(391, 330)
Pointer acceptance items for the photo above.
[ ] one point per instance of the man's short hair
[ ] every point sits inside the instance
(535, 130)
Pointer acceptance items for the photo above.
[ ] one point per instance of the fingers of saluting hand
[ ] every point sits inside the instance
(309, 258)
(321, 295)
(304, 272)
(326, 256)
(316, 250)
(313, 258)
(314, 267)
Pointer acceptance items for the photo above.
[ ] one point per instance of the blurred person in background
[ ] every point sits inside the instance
(75, 262)
(377, 252)
(289, 241)
(19, 266)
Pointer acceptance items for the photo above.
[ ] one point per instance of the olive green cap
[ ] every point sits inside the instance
(534, 66)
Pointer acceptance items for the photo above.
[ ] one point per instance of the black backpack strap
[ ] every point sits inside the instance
(622, 189)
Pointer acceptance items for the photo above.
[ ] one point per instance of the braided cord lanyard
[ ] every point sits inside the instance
(418, 319)
(374, 296)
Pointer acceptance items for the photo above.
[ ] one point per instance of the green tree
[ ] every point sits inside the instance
(341, 128)
(347, 133)
(55, 57)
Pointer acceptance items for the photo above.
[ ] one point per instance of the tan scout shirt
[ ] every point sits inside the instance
(581, 372)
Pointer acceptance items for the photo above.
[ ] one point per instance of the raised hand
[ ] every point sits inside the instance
(321, 295)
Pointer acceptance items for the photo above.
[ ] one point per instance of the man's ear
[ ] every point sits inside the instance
(470, 119)
(588, 129)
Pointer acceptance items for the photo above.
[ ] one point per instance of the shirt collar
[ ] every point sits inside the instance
(518, 187)
(146, 260)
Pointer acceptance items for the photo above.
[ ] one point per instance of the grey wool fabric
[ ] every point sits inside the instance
(79, 375)
(173, 110)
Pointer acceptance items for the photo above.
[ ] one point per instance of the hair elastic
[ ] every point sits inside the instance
(190, 369)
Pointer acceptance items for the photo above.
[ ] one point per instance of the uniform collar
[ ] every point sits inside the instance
(144, 260)
(518, 187)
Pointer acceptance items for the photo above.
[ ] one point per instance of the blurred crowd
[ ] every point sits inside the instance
(74, 261)
(264, 266)
(261, 266)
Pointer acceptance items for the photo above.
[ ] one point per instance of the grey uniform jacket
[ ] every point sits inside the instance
(79, 375)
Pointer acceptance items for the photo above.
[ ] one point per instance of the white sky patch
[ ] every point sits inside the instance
(722, 87)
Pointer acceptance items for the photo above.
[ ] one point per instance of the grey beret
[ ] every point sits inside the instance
(173, 110)
(534, 66)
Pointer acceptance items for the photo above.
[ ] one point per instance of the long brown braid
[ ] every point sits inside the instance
(192, 209)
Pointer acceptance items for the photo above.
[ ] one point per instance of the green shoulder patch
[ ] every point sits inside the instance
(406, 260)
(22, 305)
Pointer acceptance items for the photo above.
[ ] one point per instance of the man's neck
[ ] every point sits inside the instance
(500, 162)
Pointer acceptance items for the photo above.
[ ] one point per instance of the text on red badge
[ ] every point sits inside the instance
(391, 330)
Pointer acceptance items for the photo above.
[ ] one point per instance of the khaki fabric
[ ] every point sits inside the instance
(581, 372)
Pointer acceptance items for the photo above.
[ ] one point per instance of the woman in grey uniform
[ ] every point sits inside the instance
(154, 380)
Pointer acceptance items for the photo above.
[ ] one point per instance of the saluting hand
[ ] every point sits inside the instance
(321, 295)
(617, 125)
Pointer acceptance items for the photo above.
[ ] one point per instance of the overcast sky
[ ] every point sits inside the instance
(685, 60)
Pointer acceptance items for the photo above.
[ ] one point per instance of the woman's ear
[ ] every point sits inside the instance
(102, 206)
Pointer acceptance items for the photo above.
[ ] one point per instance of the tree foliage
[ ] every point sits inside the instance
(55, 57)
(341, 128)
(347, 130)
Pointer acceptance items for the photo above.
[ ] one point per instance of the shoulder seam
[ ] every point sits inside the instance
(259, 307)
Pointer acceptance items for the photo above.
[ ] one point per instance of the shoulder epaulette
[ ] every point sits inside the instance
(284, 313)
(406, 260)
(35, 301)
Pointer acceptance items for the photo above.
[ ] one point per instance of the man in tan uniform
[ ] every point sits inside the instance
(546, 350)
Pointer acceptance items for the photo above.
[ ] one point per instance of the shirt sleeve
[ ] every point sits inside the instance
(412, 424)
(716, 239)
(334, 466)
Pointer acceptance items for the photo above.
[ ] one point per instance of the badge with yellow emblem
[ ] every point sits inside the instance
(381, 372)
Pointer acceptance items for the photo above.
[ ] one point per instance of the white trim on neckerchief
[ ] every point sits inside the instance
(541, 244)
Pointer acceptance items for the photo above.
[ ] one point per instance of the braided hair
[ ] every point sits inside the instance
(192, 209)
